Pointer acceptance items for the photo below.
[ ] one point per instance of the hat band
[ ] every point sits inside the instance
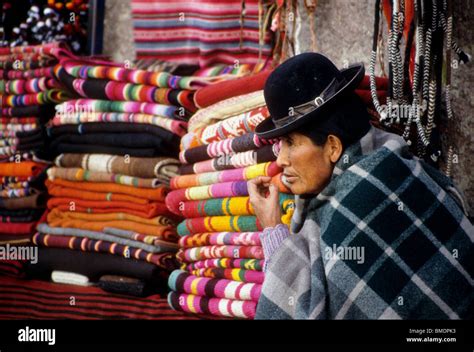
(301, 110)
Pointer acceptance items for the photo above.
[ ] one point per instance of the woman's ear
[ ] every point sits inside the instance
(333, 148)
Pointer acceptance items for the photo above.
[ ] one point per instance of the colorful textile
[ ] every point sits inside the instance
(216, 306)
(241, 275)
(44, 97)
(227, 206)
(201, 32)
(225, 263)
(225, 162)
(156, 194)
(111, 90)
(220, 190)
(165, 233)
(214, 252)
(219, 224)
(360, 208)
(139, 167)
(156, 221)
(217, 92)
(220, 238)
(23, 169)
(80, 69)
(226, 108)
(228, 128)
(92, 105)
(25, 86)
(246, 142)
(75, 174)
(47, 72)
(11, 228)
(35, 299)
(163, 260)
(177, 127)
(182, 282)
(266, 169)
(150, 210)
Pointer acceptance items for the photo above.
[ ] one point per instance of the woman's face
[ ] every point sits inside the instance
(307, 168)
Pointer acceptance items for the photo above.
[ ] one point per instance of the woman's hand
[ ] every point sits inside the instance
(264, 200)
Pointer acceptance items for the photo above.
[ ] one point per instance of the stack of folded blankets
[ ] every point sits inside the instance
(220, 250)
(116, 149)
(28, 92)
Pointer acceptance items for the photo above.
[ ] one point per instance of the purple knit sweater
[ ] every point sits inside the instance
(272, 238)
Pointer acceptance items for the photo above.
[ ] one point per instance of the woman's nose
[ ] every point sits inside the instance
(282, 159)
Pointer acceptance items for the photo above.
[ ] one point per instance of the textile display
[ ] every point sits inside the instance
(202, 32)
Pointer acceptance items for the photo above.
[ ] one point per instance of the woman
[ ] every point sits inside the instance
(376, 233)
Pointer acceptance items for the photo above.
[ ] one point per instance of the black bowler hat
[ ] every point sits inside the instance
(306, 87)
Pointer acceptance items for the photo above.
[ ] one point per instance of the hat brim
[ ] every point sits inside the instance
(267, 129)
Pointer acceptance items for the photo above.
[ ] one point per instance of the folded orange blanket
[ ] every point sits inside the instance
(23, 169)
(59, 191)
(167, 233)
(159, 220)
(157, 194)
(90, 206)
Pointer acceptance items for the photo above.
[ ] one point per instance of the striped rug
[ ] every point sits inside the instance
(201, 32)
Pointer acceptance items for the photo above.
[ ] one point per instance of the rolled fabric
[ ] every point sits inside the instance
(214, 306)
(225, 263)
(214, 93)
(225, 162)
(75, 174)
(241, 275)
(221, 238)
(234, 126)
(163, 260)
(95, 105)
(46, 97)
(175, 198)
(177, 127)
(195, 254)
(219, 224)
(226, 108)
(25, 86)
(156, 221)
(220, 190)
(111, 90)
(183, 282)
(42, 111)
(35, 201)
(242, 174)
(165, 233)
(17, 229)
(155, 194)
(68, 148)
(100, 207)
(139, 167)
(99, 236)
(153, 240)
(73, 193)
(120, 140)
(28, 74)
(248, 141)
(225, 206)
(79, 69)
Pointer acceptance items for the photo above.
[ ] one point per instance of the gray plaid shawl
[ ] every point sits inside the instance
(386, 239)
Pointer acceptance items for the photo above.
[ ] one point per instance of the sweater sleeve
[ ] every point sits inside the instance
(272, 238)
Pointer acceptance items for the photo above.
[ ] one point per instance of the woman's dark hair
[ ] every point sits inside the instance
(348, 120)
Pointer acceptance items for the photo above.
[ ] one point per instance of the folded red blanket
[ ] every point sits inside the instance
(227, 89)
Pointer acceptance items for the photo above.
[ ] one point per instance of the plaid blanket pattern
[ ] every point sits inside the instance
(404, 216)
